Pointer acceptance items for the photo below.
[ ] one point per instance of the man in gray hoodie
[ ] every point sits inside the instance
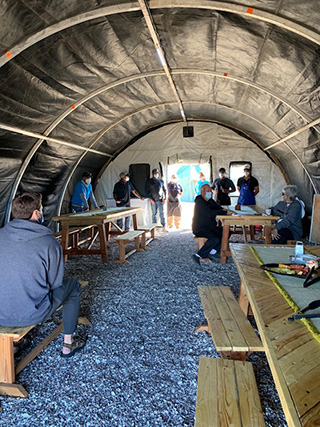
(31, 264)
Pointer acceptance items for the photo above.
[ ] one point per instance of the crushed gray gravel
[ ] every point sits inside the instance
(140, 364)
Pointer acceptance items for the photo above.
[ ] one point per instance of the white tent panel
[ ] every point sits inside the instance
(167, 145)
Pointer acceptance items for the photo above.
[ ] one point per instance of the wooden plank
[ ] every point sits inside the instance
(249, 401)
(7, 374)
(15, 390)
(207, 393)
(315, 220)
(306, 391)
(16, 332)
(130, 235)
(228, 405)
(311, 419)
(34, 352)
(252, 340)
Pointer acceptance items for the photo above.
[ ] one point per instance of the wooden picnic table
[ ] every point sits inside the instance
(99, 218)
(292, 352)
(249, 216)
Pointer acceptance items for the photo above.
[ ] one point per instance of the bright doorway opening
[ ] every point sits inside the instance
(188, 176)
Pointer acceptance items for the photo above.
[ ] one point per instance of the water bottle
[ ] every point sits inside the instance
(299, 248)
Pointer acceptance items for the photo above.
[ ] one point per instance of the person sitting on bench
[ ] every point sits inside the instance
(204, 224)
(32, 287)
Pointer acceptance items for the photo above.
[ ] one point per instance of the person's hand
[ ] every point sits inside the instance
(225, 191)
(163, 201)
(118, 201)
(141, 198)
(152, 202)
(275, 235)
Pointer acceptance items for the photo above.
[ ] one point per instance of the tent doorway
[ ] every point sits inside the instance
(188, 176)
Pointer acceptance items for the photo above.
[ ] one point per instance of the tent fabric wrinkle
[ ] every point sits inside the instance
(87, 72)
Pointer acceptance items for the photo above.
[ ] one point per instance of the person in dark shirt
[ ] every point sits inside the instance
(121, 194)
(222, 187)
(32, 286)
(174, 205)
(248, 187)
(204, 224)
(157, 194)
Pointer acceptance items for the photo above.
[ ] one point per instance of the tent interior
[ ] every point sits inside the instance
(100, 86)
(84, 84)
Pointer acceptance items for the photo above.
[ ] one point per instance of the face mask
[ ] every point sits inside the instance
(222, 175)
(208, 195)
(247, 173)
(88, 181)
(156, 175)
(127, 178)
(41, 219)
(174, 180)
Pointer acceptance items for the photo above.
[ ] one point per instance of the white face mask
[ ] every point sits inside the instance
(247, 173)
(208, 194)
(156, 175)
(88, 181)
(127, 178)
(174, 180)
(222, 175)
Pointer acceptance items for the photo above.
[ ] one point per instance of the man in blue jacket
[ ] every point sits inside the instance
(82, 193)
(31, 264)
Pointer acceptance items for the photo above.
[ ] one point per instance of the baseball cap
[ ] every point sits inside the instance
(155, 170)
(87, 175)
(247, 167)
(122, 174)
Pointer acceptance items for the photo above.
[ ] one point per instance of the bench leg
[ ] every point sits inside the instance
(137, 244)
(224, 244)
(234, 355)
(103, 243)
(244, 234)
(144, 242)
(7, 371)
(243, 301)
(122, 253)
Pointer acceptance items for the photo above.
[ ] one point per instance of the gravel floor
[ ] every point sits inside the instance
(139, 367)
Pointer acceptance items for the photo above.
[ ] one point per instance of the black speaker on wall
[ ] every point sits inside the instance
(139, 173)
(188, 131)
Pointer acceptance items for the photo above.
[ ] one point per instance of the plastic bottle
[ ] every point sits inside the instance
(299, 248)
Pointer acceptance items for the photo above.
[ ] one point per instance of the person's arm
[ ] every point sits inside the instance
(83, 198)
(137, 194)
(164, 190)
(232, 188)
(292, 217)
(93, 200)
(256, 190)
(148, 191)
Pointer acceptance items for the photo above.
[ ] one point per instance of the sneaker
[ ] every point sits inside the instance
(214, 257)
(196, 259)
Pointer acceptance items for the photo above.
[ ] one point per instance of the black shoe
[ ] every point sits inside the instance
(196, 259)
(214, 257)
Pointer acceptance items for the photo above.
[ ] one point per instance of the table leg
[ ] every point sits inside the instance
(65, 240)
(107, 228)
(135, 222)
(224, 244)
(267, 233)
(103, 243)
(243, 300)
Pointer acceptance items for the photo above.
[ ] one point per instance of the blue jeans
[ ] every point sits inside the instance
(68, 295)
(127, 218)
(154, 209)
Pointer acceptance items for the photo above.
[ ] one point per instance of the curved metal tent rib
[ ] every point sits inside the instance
(176, 75)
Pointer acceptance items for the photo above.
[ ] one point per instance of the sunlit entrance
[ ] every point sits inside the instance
(188, 176)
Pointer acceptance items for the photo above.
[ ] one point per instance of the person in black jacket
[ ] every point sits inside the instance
(157, 194)
(204, 224)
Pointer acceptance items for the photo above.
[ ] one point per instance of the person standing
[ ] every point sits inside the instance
(248, 187)
(222, 187)
(157, 194)
(121, 194)
(174, 204)
(204, 224)
(202, 181)
(32, 286)
(82, 193)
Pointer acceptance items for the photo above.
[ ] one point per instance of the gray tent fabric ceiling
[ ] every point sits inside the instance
(80, 80)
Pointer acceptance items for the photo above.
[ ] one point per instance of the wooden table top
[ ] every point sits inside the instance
(96, 216)
(292, 352)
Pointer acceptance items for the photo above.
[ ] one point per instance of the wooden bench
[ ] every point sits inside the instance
(125, 238)
(149, 228)
(8, 370)
(227, 395)
(232, 334)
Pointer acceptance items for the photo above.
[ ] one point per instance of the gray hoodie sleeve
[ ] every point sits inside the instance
(292, 217)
